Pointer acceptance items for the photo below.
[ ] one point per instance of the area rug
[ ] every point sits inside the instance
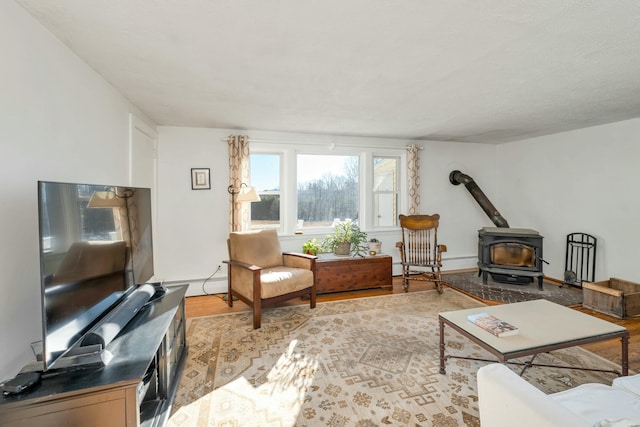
(352, 363)
(471, 283)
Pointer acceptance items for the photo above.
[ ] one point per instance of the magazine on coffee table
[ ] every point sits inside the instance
(492, 324)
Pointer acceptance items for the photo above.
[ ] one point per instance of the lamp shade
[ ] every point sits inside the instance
(105, 199)
(248, 194)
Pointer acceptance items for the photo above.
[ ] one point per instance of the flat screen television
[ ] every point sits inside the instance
(95, 247)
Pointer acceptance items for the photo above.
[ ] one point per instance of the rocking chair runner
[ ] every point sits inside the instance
(420, 253)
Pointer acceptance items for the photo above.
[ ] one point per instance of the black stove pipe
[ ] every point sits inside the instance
(456, 178)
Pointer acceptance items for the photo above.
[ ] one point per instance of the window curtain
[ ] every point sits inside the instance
(125, 221)
(130, 215)
(125, 214)
(238, 174)
(413, 169)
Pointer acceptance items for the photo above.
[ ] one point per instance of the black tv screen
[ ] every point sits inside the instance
(95, 247)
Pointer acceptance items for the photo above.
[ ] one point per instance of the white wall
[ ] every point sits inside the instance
(461, 216)
(192, 226)
(583, 180)
(59, 121)
(580, 181)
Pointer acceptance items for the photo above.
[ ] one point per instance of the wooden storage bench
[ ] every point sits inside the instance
(347, 273)
(616, 297)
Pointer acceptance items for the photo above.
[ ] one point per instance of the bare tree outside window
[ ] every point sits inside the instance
(329, 193)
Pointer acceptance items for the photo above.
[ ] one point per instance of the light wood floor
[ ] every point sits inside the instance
(610, 350)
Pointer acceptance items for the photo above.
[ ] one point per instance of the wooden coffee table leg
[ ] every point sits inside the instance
(442, 368)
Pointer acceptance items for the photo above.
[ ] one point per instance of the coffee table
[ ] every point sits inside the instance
(543, 326)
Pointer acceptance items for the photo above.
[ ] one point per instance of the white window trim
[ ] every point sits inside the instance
(288, 180)
(402, 183)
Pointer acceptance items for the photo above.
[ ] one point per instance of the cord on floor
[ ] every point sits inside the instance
(209, 278)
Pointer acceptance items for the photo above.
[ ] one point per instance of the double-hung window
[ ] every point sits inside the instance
(307, 189)
(386, 191)
(327, 189)
(265, 177)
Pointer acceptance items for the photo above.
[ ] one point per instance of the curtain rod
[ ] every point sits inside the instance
(330, 145)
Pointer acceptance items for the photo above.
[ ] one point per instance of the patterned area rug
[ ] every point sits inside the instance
(353, 363)
(469, 282)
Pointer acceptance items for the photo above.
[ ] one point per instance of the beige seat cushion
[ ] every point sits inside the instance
(283, 280)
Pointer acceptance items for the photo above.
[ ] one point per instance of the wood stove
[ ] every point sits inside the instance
(510, 255)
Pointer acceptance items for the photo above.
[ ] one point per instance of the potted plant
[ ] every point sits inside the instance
(311, 247)
(375, 246)
(346, 238)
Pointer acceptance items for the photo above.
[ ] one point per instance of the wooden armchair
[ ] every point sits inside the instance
(420, 253)
(260, 274)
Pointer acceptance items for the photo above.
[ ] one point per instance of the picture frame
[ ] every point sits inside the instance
(200, 179)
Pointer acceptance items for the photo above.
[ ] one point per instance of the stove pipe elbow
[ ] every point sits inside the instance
(456, 178)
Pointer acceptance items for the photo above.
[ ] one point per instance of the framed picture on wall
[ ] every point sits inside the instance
(200, 179)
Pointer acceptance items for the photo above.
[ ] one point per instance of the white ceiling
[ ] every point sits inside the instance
(463, 70)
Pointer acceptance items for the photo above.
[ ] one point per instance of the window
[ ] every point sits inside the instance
(327, 189)
(95, 224)
(385, 191)
(265, 177)
(308, 186)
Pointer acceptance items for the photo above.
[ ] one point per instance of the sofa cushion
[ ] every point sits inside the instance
(630, 384)
(506, 400)
(601, 405)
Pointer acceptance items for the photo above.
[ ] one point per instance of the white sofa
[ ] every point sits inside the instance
(507, 400)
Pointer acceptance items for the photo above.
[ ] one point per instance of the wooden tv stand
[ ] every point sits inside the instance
(347, 273)
(136, 388)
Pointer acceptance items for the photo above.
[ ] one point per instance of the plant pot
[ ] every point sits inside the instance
(375, 247)
(343, 248)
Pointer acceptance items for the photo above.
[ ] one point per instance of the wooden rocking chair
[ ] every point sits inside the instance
(420, 253)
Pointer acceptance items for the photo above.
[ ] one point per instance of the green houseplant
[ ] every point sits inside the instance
(311, 247)
(346, 238)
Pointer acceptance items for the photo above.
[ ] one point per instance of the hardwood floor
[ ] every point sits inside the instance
(610, 350)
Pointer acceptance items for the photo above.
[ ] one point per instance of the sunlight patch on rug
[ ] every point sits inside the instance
(276, 402)
(354, 363)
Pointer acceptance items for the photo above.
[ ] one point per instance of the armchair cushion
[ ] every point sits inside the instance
(284, 280)
(261, 248)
